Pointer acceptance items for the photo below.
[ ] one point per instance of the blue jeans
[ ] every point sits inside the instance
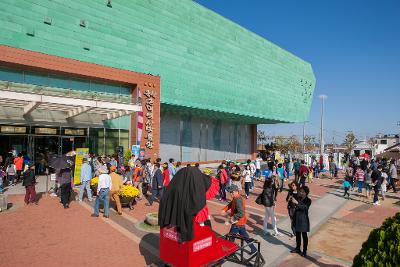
(85, 185)
(103, 196)
(258, 173)
(360, 186)
(376, 192)
(222, 192)
(241, 230)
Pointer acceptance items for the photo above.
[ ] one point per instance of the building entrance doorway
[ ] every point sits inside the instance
(12, 143)
(72, 142)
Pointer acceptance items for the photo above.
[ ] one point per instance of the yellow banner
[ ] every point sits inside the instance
(80, 154)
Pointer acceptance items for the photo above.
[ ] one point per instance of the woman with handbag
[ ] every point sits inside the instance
(268, 200)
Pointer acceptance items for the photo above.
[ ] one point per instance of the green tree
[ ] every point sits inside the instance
(350, 141)
(293, 145)
(280, 144)
(309, 142)
(262, 138)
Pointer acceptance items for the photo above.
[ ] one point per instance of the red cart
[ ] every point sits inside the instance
(206, 249)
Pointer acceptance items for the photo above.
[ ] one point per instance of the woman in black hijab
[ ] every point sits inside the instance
(184, 197)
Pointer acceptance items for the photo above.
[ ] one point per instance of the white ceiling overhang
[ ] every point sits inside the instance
(18, 102)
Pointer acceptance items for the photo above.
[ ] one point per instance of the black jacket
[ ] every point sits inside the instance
(376, 177)
(269, 196)
(290, 206)
(301, 219)
(157, 180)
(184, 198)
(29, 178)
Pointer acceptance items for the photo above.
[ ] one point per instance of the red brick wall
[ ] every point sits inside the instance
(154, 88)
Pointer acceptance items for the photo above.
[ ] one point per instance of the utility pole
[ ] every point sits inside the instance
(323, 98)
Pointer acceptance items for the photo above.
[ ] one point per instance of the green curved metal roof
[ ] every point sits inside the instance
(205, 61)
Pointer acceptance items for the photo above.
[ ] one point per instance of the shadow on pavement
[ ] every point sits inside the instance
(269, 238)
(152, 240)
(315, 260)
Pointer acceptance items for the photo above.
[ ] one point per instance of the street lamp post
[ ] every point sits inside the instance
(323, 98)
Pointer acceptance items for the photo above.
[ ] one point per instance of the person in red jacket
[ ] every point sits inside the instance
(165, 175)
(223, 180)
(19, 162)
(303, 174)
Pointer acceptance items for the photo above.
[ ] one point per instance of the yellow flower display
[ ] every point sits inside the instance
(94, 181)
(208, 171)
(129, 191)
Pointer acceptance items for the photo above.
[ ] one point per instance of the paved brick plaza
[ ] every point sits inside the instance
(48, 235)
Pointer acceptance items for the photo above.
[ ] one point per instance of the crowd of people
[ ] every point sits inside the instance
(152, 178)
(274, 176)
(370, 176)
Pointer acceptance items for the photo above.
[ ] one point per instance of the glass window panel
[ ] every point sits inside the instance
(37, 79)
(11, 76)
(96, 141)
(124, 140)
(125, 90)
(82, 85)
(60, 82)
(113, 89)
(97, 87)
(112, 141)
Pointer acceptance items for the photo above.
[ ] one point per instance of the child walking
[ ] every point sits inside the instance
(346, 186)
(237, 213)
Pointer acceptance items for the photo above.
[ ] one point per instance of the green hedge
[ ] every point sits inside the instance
(382, 247)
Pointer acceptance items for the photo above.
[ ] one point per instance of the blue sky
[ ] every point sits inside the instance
(354, 48)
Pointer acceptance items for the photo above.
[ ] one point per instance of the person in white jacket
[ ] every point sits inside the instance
(247, 179)
(11, 171)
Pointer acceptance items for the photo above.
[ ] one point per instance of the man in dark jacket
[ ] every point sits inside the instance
(64, 178)
(29, 181)
(376, 178)
(156, 184)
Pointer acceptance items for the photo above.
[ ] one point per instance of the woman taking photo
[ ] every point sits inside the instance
(301, 220)
(292, 194)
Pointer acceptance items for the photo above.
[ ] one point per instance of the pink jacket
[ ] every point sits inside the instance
(223, 176)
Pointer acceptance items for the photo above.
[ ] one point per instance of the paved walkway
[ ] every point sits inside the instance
(144, 245)
(276, 249)
(43, 182)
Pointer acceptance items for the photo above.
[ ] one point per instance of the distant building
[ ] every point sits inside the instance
(362, 148)
(384, 141)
